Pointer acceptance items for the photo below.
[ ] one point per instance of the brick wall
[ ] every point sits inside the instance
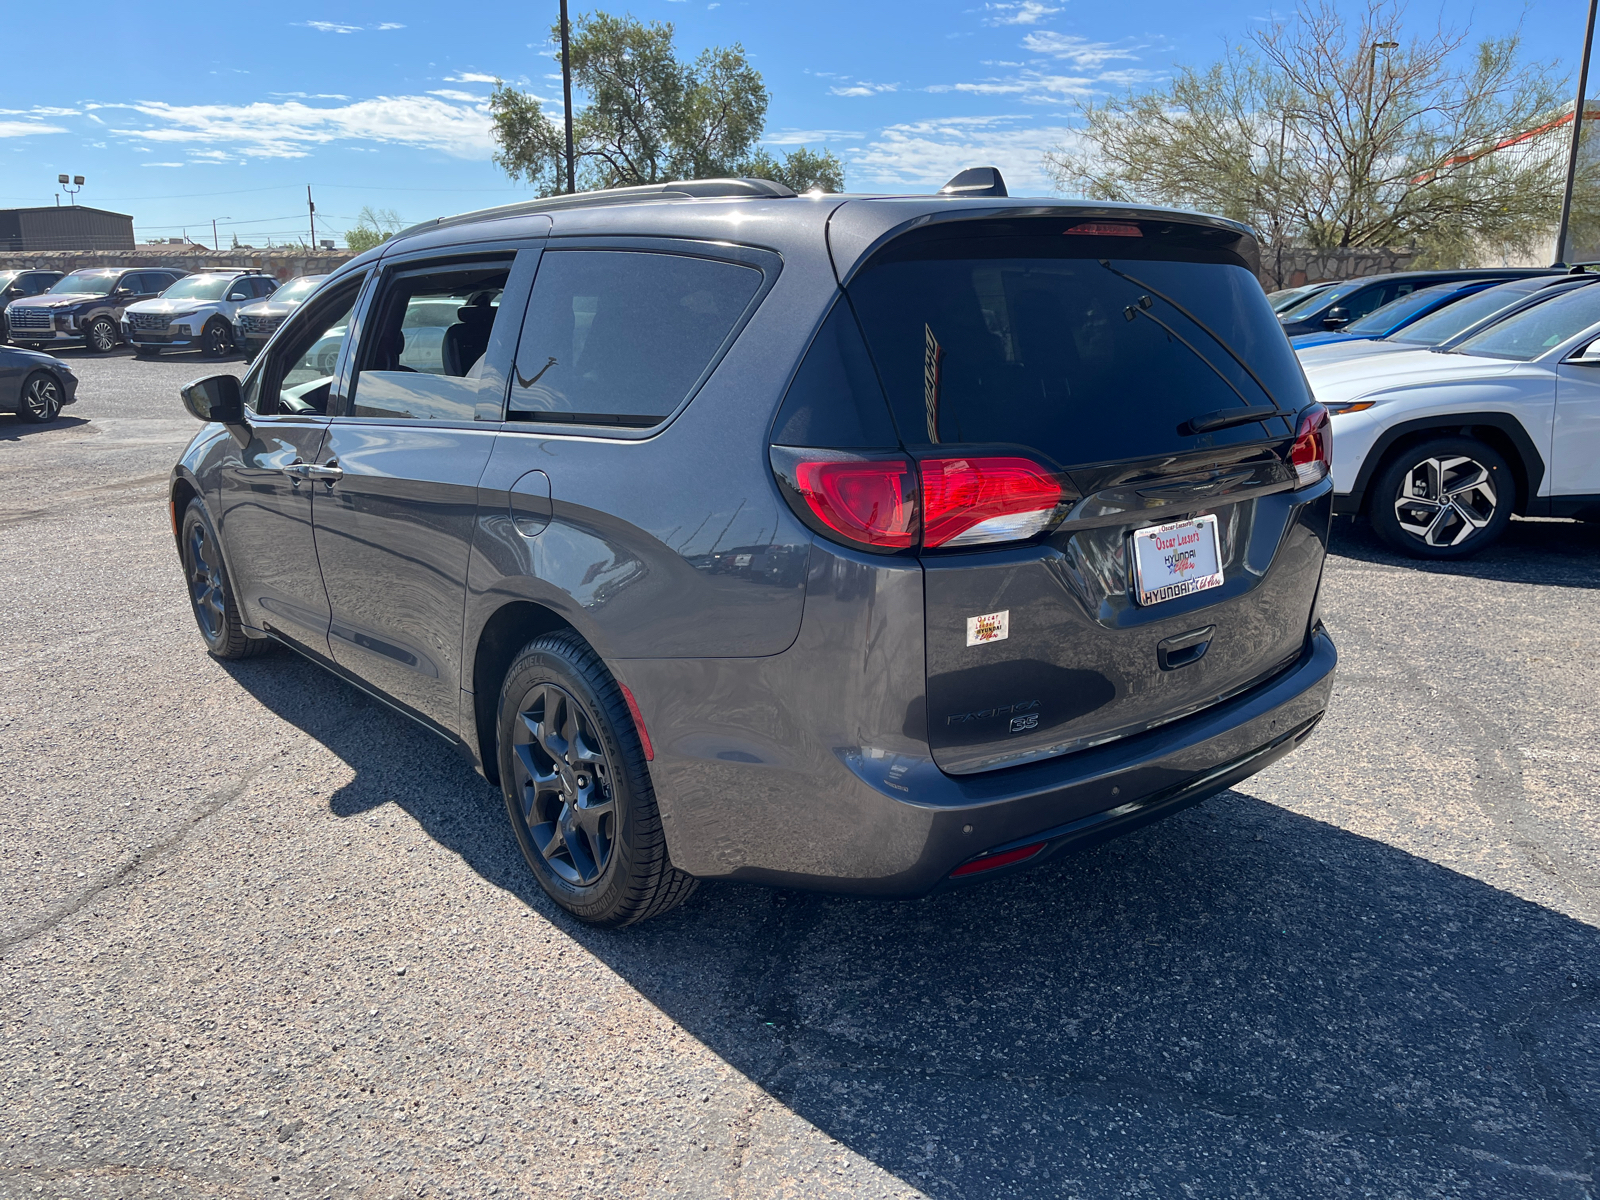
(285, 264)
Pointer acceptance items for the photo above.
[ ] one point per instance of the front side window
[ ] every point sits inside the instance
(86, 283)
(424, 349)
(622, 337)
(1538, 330)
(298, 376)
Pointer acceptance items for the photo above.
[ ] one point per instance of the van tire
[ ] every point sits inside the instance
(577, 788)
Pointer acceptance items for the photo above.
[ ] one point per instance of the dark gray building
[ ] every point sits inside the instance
(65, 228)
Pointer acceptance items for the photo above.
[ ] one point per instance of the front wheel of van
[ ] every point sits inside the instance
(577, 789)
(1444, 498)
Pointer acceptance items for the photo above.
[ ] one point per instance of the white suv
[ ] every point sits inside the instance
(200, 310)
(1439, 447)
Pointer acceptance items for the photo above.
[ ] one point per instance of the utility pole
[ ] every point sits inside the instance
(567, 100)
(311, 207)
(215, 245)
(1577, 128)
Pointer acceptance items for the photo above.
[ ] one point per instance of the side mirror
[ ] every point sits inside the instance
(1335, 317)
(1589, 356)
(232, 296)
(214, 398)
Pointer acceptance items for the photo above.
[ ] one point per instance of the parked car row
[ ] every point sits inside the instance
(1464, 398)
(152, 309)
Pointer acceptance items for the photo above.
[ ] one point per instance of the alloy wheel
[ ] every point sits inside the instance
(102, 336)
(564, 783)
(42, 397)
(218, 340)
(1445, 501)
(205, 585)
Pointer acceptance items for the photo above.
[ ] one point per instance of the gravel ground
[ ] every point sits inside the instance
(260, 938)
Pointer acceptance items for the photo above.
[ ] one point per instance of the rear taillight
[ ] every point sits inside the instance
(980, 501)
(872, 502)
(886, 502)
(1312, 454)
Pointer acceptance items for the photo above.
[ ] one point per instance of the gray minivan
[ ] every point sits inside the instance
(868, 544)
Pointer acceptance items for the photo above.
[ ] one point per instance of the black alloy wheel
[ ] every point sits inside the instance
(577, 790)
(210, 594)
(101, 336)
(217, 339)
(1445, 498)
(41, 398)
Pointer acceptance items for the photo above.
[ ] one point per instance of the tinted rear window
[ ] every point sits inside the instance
(1083, 359)
(621, 337)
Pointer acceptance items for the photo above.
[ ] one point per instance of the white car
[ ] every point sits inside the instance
(1439, 447)
(200, 310)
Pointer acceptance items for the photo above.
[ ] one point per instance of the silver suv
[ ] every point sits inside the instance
(200, 310)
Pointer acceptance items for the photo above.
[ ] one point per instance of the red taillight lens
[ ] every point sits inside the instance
(1106, 229)
(1312, 454)
(976, 501)
(990, 861)
(870, 502)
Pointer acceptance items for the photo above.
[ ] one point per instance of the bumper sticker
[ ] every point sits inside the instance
(991, 627)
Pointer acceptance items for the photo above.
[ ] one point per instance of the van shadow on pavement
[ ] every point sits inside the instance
(1238, 1001)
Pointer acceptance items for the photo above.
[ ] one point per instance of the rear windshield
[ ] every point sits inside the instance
(1083, 359)
(1381, 320)
(1443, 325)
(1539, 329)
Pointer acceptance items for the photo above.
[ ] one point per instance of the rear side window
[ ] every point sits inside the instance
(835, 401)
(1083, 359)
(622, 337)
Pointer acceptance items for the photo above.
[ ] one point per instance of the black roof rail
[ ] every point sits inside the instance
(683, 188)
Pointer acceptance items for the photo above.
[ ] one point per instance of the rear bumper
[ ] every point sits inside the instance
(895, 825)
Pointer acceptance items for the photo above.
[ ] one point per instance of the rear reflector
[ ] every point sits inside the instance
(977, 501)
(872, 502)
(638, 723)
(990, 861)
(1312, 454)
(1106, 229)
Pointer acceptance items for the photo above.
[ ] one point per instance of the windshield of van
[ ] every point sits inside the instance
(1381, 320)
(1537, 330)
(85, 283)
(1439, 327)
(1083, 359)
(199, 287)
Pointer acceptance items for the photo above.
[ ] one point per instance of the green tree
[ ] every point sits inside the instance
(1319, 134)
(650, 118)
(373, 227)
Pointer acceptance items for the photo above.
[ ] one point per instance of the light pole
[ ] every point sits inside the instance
(215, 245)
(566, 93)
(1572, 152)
(71, 187)
(1372, 69)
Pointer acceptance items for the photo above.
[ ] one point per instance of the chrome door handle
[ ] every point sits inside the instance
(328, 474)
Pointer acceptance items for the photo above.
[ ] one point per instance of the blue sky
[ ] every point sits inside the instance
(228, 115)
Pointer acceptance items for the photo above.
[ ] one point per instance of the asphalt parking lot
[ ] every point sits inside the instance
(259, 937)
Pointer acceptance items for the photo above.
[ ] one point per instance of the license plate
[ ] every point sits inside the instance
(1176, 560)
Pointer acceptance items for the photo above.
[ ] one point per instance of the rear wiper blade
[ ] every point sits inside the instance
(1226, 418)
(1204, 328)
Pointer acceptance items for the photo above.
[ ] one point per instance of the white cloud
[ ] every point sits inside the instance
(864, 88)
(329, 27)
(156, 164)
(1031, 86)
(1022, 12)
(801, 137)
(309, 95)
(453, 94)
(389, 25)
(27, 128)
(929, 153)
(1080, 52)
(472, 77)
(291, 129)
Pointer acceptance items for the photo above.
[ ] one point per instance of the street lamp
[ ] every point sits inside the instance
(1372, 68)
(566, 93)
(1572, 151)
(71, 187)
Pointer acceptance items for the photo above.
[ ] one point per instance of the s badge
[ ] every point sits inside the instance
(991, 627)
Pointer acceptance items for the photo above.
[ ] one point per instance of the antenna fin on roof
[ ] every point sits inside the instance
(976, 181)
